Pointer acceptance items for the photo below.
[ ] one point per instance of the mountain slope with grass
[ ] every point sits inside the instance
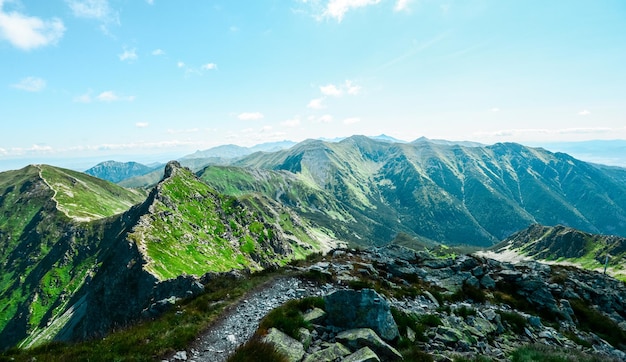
(79, 259)
(51, 226)
(560, 244)
(450, 193)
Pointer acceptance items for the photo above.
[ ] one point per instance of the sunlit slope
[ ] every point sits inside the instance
(455, 194)
(46, 246)
(560, 244)
(84, 197)
(192, 229)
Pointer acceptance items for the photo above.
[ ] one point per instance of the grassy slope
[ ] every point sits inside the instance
(46, 254)
(84, 197)
(192, 229)
(454, 194)
(569, 246)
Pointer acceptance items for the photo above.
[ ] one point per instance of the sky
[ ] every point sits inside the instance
(149, 80)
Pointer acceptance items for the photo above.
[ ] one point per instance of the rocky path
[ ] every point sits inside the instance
(240, 321)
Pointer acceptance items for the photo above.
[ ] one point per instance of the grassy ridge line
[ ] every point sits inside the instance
(85, 198)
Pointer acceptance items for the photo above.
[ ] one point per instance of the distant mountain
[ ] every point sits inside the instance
(449, 193)
(384, 137)
(449, 143)
(234, 151)
(568, 245)
(117, 171)
(79, 259)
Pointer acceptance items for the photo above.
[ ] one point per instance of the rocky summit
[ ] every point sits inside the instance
(392, 303)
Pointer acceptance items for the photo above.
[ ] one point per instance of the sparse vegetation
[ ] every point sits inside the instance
(257, 351)
(545, 353)
(289, 317)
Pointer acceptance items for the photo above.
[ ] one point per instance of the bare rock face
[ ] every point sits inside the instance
(170, 168)
(348, 309)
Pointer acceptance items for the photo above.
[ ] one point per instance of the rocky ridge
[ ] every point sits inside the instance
(451, 307)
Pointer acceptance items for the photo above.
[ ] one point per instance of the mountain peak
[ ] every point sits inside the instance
(170, 168)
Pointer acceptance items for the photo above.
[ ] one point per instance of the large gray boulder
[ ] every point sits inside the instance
(365, 337)
(363, 355)
(348, 309)
(294, 350)
(329, 354)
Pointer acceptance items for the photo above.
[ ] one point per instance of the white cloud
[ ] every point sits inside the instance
(250, 116)
(188, 130)
(110, 96)
(31, 84)
(495, 109)
(180, 64)
(142, 124)
(338, 8)
(402, 5)
(29, 32)
(352, 120)
(90, 9)
(316, 103)
(266, 129)
(584, 112)
(83, 98)
(351, 88)
(327, 118)
(128, 55)
(157, 52)
(209, 66)
(99, 10)
(294, 122)
(331, 90)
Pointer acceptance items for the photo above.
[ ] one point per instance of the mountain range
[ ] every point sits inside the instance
(82, 256)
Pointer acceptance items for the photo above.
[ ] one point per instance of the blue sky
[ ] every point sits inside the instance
(139, 79)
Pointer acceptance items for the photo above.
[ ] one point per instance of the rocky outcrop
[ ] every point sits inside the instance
(348, 309)
(463, 306)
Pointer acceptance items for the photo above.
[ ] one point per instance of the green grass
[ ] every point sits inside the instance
(545, 353)
(516, 321)
(289, 317)
(257, 351)
(84, 197)
(592, 320)
(150, 339)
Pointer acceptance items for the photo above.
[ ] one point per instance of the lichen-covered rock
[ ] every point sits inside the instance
(314, 316)
(286, 345)
(348, 309)
(365, 337)
(329, 354)
(362, 355)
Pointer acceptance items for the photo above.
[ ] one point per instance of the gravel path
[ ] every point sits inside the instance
(240, 321)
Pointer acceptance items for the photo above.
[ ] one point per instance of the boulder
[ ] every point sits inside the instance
(292, 349)
(329, 354)
(365, 337)
(348, 309)
(487, 282)
(314, 316)
(363, 355)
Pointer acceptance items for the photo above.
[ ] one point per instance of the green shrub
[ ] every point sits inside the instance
(515, 320)
(464, 311)
(257, 351)
(592, 320)
(288, 318)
